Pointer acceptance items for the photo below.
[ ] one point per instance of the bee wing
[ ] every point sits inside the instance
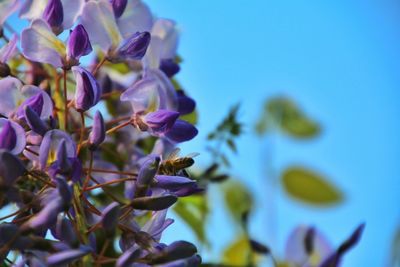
(192, 155)
(174, 154)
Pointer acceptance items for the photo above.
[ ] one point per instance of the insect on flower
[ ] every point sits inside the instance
(175, 165)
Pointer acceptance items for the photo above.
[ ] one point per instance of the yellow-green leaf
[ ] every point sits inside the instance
(310, 187)
(239, 253)
(238, 199)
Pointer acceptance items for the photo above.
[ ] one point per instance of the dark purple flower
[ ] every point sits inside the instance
(54, 15)
(146, 174)
(181, 131)
(193, 261)
(169, 67)
(35, 122)
(98, 133)
(88, 91)
(63, 162)
(186, 105)
(175, 251)
(78, 43)
(110, 218)
(118, 7)
(35, 102)
(157, 224)
(64, 231)
(12, 136)
(161, 121)
(50, 145)
(153, 203)
(135, 46)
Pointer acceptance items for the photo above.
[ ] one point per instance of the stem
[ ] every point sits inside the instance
(109, 183)
(89, 172)
(99, 65)
(103, 250)
(41, 179)
(82, 132)
(65, 100)
(110, 171)
(114, 129)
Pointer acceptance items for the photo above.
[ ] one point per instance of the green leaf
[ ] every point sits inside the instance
(310, 187)
(231, 144)
(239, 253)
(288, 117)
(193, 211)
(192, 118)
(238, 199)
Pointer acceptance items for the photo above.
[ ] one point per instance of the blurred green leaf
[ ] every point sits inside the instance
(238, 199)
(194, 210)
(310, 187)
(239, 253)
(288, 117)
(395, 250)
(191, 117)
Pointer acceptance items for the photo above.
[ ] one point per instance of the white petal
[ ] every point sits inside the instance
(32, 9)
(98, 20)
(7, 7)
(72, 10)
(166, 30)
(137, 17)
(40, 44)
(7, 51)
(9, 95)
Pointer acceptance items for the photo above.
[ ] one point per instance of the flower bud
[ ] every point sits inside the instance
(54, 15)
(63, 162)
(118, 7)
(181, 131)
(153, 203)
(8, 137)
(10, 168)
(135, 46)
(186, 104)
(161, 121)
(169, 67)
(35, 102)
(109, 218)
(78, 43)
(98, 133)
(88, 92)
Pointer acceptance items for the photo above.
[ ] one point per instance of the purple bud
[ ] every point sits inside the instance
(54, 13)
(65, 193)
(35, 102)
(161, 121)
(98, 133)
(10, 167)
(186, 105)
(169, 67)
(193, 261)
(110, 217)
(8, 137)
(88, 92)
(64, 257)
(64, 231)
(78, 43)
(148, 170)
(181, 131)
(34, 122)
(135, 46)
(153, 203)
(118, 7)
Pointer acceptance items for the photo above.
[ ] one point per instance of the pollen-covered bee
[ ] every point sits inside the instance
(175, 165)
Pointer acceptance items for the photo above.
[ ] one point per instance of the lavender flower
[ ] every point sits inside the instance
(134, 47)
(78, 43)
(12, 136)
(54, 15)
(119, 7)
(88, 91)
(98, 133)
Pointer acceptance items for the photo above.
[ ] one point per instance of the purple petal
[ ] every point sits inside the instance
(12, 136)
(192, 261)
(34, 122)
(7, 7)
(9, 95)
(134, 47)
(157, 224)
(142, 94)
(7, 51)
(169, 67)
(39, 44)
(110, 218)
(10, 167)
(186, 105)
(64, 231)
(72, 10)
(181, 131)
(166, 30)
(173, 182)
(53, 13)
(148, 170)
(128, 257)
(118, 7)
(153, 203)
(65, 257)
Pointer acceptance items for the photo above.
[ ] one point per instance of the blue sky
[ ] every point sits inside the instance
(340, 61)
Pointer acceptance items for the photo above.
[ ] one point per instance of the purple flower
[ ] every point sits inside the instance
(160, 121)
(98, 133)
(64, 231)
(175, 251)
(6, 52)
(7, 7)
(64, 257)
(10, 168)
(110, 218)
(128, 257)
(12, 136)
(157, 224)
(173, 182)
(134, 47)
(51, 143)
(181, 131)
(78, 43)
(118, 7)
(54, 15)
(88, 91)
(146, 174)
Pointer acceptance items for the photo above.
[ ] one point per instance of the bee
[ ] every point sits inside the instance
(175, 165)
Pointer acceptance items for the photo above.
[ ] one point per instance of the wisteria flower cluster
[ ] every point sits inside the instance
(89, 114)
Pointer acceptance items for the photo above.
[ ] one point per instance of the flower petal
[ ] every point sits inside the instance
(9, 95)
(7, 51)
(137, 17)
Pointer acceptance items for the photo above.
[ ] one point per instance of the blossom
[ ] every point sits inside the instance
(88, 91)
(12, 136)
(98, 133)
